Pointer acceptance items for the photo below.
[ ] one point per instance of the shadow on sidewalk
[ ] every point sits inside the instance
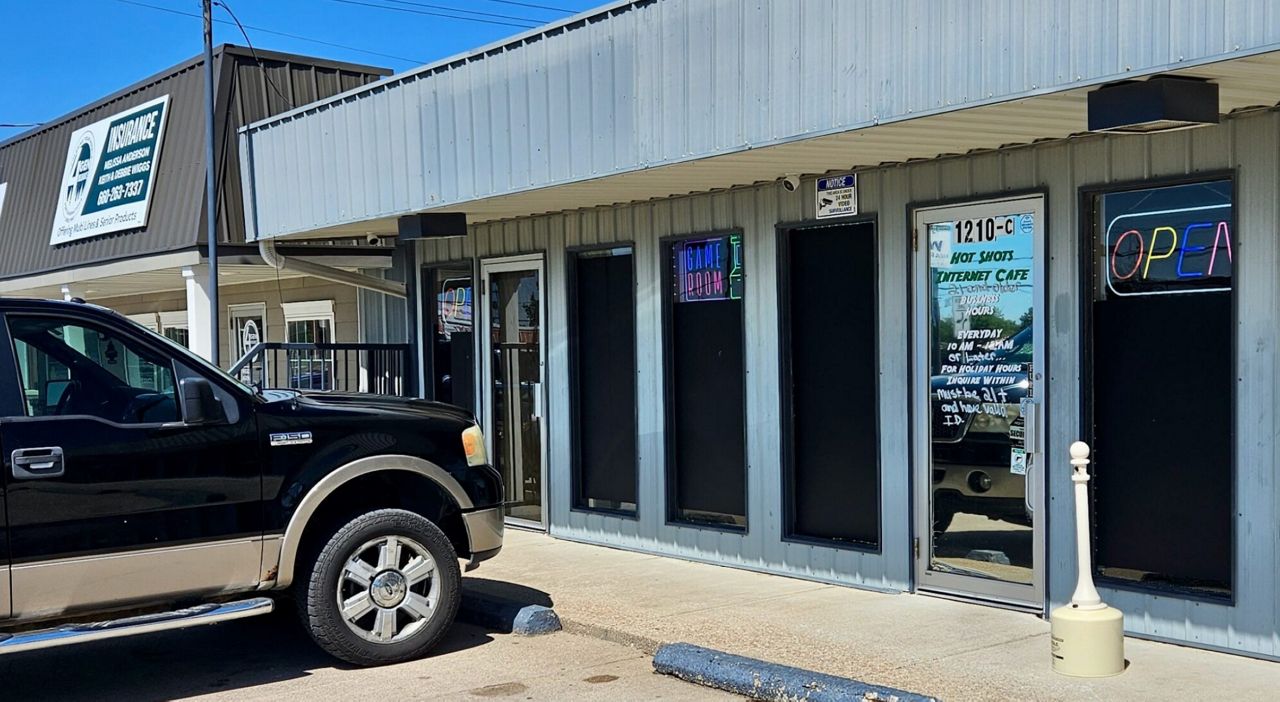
(178, 664)
(521, 595)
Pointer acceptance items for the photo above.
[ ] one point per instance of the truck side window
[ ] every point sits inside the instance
(71, 369)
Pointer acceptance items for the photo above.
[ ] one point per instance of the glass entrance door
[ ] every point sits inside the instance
(514, 378)
(978, 398)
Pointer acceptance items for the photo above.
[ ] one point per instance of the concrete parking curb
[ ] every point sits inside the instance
(760, 680)
(505, 615)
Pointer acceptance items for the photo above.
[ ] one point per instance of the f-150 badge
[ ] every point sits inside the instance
(291, 438)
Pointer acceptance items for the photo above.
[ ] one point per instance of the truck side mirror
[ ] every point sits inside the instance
(199, 404)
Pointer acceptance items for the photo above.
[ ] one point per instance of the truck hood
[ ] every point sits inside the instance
(377, 403)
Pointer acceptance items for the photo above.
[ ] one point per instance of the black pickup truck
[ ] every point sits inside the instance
(145, 489)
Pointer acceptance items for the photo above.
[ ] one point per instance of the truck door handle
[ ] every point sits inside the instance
(36, 463)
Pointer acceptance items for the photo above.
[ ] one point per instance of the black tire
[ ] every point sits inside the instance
(318, 594)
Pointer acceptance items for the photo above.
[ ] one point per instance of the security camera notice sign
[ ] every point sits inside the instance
(837, 196)
(107, 180)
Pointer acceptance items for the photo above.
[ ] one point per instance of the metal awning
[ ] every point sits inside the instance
(1245, 83)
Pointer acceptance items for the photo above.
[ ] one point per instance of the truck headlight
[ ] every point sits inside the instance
(473, 446)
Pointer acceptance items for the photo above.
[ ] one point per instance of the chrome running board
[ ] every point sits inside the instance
(144, 624)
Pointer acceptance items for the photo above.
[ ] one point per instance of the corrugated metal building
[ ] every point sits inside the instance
(701, 339)
(140, 271)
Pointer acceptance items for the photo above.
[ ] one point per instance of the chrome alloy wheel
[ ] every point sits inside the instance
(388, 589)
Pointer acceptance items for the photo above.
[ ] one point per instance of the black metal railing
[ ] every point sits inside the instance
(379, 369)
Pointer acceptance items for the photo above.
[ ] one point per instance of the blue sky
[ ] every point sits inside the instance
(57, 56)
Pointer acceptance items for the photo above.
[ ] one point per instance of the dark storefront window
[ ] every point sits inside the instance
(450, 334)
(602, 322)
(829, 376)
(705, 381)
(1161, 402)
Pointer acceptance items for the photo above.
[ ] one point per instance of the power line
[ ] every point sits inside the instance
(16, 125)
(287, 35)
(536, 7)
(465, 12)
(265, 73)
(436, 14)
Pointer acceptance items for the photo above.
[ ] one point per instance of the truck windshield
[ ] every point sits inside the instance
(194, 358)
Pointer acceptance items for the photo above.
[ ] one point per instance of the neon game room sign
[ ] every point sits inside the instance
(708, 269)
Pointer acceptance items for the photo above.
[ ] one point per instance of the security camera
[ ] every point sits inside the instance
(791, 183)
(374, 240)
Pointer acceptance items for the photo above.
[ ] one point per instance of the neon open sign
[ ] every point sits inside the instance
(1176, 239)
(708, 269)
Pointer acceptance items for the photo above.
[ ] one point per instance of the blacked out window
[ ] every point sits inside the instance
(451, 334)
(603, 356)
(830, 399)
(705, 380)
(1162, 372)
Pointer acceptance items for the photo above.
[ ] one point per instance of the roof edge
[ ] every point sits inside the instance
(514, 40)
(218, 52)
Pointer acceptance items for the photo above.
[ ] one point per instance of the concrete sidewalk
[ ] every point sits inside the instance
(927, 645)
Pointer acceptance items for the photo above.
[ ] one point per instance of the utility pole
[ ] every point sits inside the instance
(211, 186)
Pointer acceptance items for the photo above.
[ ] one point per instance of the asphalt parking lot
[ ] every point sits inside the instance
(270, 657)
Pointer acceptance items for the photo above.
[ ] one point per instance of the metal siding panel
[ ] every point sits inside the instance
(449, 170)
(502, 138)
(518, 128)
(894, 232)
(539, 110)
(484, 144)
(432, 136)
(697, 73)
(343, 136)
(581, 144)
(816, 66)
(460, 83)
(1055, 172)
(1257, 222)
(670, 94)
(561, 141)
(600, 91)
(753, 113)
(784, 70)
(764, 474)
(625, 141)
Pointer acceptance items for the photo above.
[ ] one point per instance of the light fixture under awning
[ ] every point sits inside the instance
(1159, 104)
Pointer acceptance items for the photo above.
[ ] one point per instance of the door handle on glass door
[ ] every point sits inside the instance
(537, 401)
(1031, 445)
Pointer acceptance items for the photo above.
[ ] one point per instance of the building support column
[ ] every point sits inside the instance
(200, 326)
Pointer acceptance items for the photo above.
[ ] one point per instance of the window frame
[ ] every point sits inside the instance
(783, 233)
(429, 278)
(1086, 280)
(576, 499)
(666, 281)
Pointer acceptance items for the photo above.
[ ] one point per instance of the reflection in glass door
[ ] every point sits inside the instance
(978, 342)
(514, 378)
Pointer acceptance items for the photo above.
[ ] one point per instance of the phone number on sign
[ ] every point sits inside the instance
(117, 192)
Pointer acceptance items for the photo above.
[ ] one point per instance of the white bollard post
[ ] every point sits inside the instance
(1087, 635)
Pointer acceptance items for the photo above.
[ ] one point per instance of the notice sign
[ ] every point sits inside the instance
(837, 196)
(107, 180)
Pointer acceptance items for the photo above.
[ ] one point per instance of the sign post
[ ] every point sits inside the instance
(1087, 636)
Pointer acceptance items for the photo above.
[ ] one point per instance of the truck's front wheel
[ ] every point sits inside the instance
(384, 589)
